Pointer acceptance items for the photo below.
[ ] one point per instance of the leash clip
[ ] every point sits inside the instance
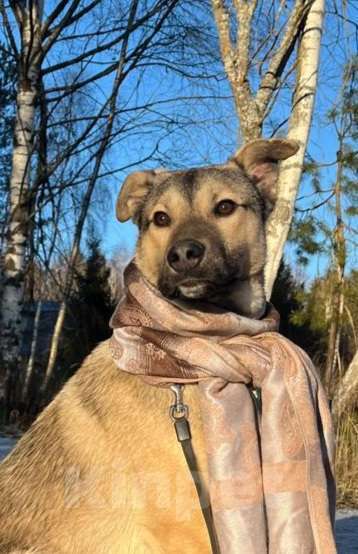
(178, 409)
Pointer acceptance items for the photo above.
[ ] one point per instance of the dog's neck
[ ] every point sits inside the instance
(247, 298)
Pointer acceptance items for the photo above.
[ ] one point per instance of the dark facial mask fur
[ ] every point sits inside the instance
(216, 270)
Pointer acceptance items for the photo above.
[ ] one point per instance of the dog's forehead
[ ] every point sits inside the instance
(209, 180)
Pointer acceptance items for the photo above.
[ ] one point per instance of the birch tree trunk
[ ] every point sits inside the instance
(303, 23)
(29, 19)
(347, 393)
(299, 127)
(236, 53)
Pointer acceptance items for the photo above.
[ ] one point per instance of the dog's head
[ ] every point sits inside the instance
(202, 231)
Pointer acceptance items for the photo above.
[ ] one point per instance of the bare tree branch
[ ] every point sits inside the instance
(69, 20)
(8, 29)
(282, 54)
(63, 23)
(87, 197)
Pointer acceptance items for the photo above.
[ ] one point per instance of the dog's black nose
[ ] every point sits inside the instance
(185, 255)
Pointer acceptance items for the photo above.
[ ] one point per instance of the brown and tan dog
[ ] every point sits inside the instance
(100, 471)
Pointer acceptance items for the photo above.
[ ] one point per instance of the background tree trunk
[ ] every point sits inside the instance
(347, 393)
(337, 295)
(31, 361)
(299, 127)
(29, 19)
(255, 83)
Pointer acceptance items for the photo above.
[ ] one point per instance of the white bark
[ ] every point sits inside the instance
(299, 127)
(31, 361)
(18, 228)
(55, 341)
(236, 56)
(347, 393)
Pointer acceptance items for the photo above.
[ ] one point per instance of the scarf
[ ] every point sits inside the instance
(271, 484)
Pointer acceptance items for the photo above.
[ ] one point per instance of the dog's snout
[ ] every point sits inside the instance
(185, 255)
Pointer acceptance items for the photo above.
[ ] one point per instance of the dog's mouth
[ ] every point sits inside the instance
(196, 289)
(199, 289)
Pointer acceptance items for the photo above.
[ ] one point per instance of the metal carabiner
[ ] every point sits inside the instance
(178, 409)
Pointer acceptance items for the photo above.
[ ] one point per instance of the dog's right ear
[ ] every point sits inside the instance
(134, 189)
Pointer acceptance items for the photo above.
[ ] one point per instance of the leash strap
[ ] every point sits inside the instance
(179, 413)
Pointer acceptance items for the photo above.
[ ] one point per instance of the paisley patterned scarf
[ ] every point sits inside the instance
(271, 489)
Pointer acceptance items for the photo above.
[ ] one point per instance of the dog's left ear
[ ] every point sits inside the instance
(260, 158)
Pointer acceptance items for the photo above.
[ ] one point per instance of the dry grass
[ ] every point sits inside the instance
(347, 459)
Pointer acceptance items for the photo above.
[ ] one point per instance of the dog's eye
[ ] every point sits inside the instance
(161, 219)
(225, 207)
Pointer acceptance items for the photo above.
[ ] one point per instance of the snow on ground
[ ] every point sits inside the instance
(6, 444)
(347, 531)
(346, 523)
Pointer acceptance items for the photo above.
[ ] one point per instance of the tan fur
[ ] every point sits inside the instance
(154, 243)
(101, 471)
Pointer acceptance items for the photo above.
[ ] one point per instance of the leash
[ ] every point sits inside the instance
(179, 413)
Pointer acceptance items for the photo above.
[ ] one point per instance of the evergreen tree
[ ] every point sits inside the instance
(313, 314)
(89, 312)
(290, 299)
(314, 233)
(94, 294)
(310, 233)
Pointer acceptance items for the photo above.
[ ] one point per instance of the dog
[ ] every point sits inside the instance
(100, 471)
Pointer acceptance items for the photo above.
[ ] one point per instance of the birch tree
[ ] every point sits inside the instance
(298, 129)
(257, 65)
(29, 18)
(29, 47)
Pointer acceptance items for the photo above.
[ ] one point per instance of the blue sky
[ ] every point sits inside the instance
(216, 138)
(202, 128)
